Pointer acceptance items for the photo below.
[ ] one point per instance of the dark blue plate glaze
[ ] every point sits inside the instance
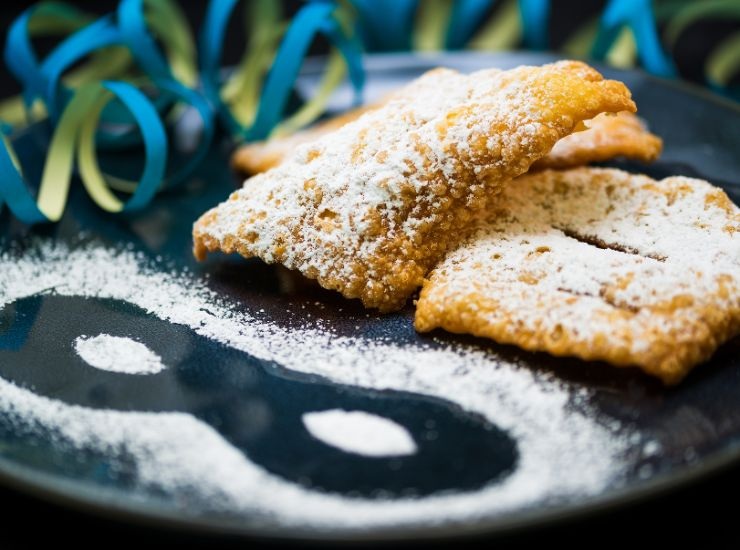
(697, 423)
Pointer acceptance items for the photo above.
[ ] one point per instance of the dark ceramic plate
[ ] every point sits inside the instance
(693, 428)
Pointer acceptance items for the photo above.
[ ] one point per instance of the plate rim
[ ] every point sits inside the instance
(83, 499)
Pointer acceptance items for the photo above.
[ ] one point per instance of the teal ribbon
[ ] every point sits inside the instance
(535, 16)
(638, 16)
(386, 25)
(466, 16)
(314, 18)
(75, 134)
(97, 35)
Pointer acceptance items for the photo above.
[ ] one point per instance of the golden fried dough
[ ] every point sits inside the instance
(260, 156)
(369, 209)
(606, 137)
(598, 264)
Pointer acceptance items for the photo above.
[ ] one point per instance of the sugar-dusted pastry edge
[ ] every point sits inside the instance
(667, 359)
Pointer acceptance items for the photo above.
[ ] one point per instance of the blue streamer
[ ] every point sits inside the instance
(535, 16)
(154, 139)
(288, 61)
(15, 193)
(135, 34)
(352, 50)
(465, 18)
(21, 59)
(210, 53)
(97, 35)
(637, 15)
(386, 25)
(313, 18)
(203, 108)
(18, 197)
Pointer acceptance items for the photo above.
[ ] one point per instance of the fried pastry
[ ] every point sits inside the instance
(598, 264)
(369, 209)
(604, 138)
(260, 156)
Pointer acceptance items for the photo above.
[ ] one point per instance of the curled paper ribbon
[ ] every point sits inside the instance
(314, 18)
(75, 132)
(625, 31)
(155, 80)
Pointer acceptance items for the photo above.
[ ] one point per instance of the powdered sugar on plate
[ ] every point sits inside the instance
(566, 450)
(118, 354)
(360, 432)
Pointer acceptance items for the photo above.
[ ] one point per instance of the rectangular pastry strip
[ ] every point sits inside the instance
(598, 264)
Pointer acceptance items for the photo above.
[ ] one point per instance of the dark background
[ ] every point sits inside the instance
(704, 512)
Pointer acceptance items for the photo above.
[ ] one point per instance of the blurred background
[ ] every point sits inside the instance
(691, 33)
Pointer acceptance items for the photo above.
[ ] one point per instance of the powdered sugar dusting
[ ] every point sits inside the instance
(118, 354)
(360, 432)
(565, 451)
